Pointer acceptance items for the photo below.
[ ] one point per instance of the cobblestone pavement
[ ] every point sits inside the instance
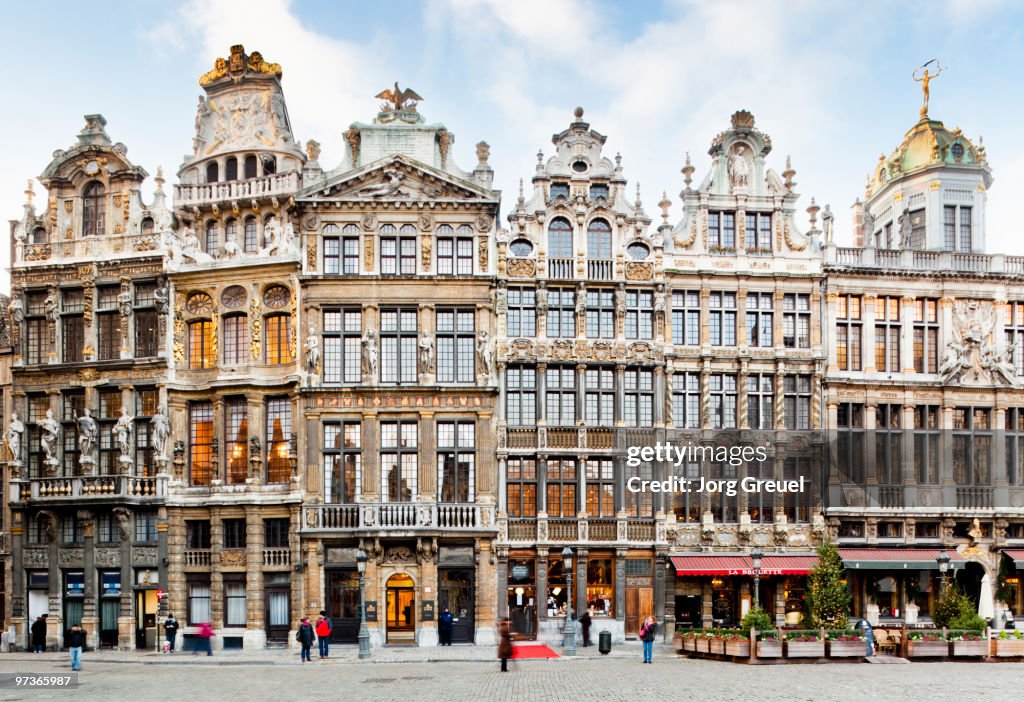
(109, 678)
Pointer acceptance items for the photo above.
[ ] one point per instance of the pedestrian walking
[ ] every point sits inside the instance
(324, 625)
(585, 622)
(171, 631)
(869, 635)
(647, 633)
(38, 631)
(205, 635)
(305, 635)
(504, 644)
(444, 627)
(76, 642)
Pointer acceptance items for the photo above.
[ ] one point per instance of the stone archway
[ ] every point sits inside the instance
(400, 609)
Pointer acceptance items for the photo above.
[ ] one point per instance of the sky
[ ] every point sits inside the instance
(829, 81)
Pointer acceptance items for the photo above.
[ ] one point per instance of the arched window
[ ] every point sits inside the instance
(231, 231)
(200, 344)
(250, 166)
(231, 169)
(252, 238)
(92, 209)
(559, 238)
(211, 237)
(269, 164)
(211, 172)
(599, 240)
(38, 236)
(277, 348)
(236, 337)
(147, 225)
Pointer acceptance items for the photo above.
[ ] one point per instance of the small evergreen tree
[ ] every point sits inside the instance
(828, 600)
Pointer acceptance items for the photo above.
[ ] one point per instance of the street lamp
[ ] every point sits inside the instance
(364, 633)
(570, 625)
(755, 559)
(943, 560)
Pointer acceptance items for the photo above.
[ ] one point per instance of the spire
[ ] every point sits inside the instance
(29, 193)
(788, 174)
(665, 204)
(687, 171)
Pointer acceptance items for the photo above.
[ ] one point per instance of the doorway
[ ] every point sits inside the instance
(401, 610)
(145, 619)
(457, 595)
(277, 600)
(343, 605)
(639, 606)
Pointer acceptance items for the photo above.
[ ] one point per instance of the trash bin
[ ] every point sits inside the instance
(604, 643)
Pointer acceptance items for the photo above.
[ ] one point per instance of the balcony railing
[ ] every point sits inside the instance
(599, 270)
(560, 530)
(277, 557)
(890, 496)
(250, 188)
(602, 529)
(561, 268)
(399, 516)
(198, 557)
(974, 497)
(98, 486)
(563, 438)
(522, 438)
(923, 260)
(522, 530)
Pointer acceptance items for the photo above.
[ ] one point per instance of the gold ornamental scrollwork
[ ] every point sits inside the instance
(256, 328)
(483, 254)
(426, 244)
(639, 271)
(179, 329)
(522, 268)
(692, 237)
(368, 253)
(793, 245)
(311, 253)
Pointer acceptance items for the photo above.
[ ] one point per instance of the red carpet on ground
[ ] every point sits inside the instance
(533, 651)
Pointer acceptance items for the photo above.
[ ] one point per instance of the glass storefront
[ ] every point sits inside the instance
(522, 597)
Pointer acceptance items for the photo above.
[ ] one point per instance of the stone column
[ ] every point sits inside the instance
(254, 602)
(620, 584)
(486, 479)
(428, 487)
(907, 317)
(216, 581)
(542, 584)
(867, 346)
(370, 484)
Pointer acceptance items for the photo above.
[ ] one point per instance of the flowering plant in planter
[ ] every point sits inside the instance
(918, 636)
(768, 636)
(967, 636)
(803, 638)
(844, 636)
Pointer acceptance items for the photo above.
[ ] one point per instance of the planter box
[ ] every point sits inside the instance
(689, 644)
(738, 647)
(847, 649)
(805, 649)
(1009, 647)
(703, 645)
(677, 642)
(769, 649)
(718, 646)
(927, 649)
(970, 648)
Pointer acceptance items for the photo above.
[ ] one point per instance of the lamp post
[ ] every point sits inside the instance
(570, 625)
(943, 560)
(755, 559)
(364, 633)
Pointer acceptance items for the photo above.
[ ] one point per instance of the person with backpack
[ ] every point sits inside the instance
(305, 635)
(324, 626)
(647, 633)
(869, 635)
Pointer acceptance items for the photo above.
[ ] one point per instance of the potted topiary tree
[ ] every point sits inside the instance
(757, 625)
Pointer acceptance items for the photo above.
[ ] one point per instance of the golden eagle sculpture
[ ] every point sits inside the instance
(398, 100)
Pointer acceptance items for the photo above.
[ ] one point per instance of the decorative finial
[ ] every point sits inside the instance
(618, 160)
(639, 205)
(688, 170)
(159, 180)
(522, 199)
(789, 173)
(665, 204)
(812, 213)
(29, 193)
(578, 113)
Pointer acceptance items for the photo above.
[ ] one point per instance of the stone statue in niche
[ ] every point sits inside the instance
(161, 430)
(272, 234)
(87, 433)
(312, 350)
(370, 353)
(739, 168)
(485, 353)
(426, 353)
(15, 430)
(123, 434)
(50, 440)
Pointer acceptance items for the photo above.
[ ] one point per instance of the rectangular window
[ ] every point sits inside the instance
(797, 504)
(850, 442)
(107, 528)
(561, 395)
(108, 322)
(275, 532)
(521, 396)
(957, 232)
(639, 314)
(600, 396)
(198, 599)
(927, 449)
(146, 400)
(686, 401)
(723, 400)
(456, 354)
(200, 345)
(686, 505)
(796, 321)
(686, 318)
(639, 398)
(72, 326)
(398, 346)
(522, 313)
(759, 233)
(342, 461)
(397, 254)
(332, 255)
(965, 236)
(759, 319)
(147, 335)
(600, 477)
(72, 407)
(234, 600)
(145, 526)
(236, 426)
(455, 254)
(797, 398)
(848, 332)
(200, 443)
(235, 330)
(342, 354)
(918, 230)
(761, 401)
(1015, 446)
(456, 461)
(600, 314)
(110, 411)
(889, 444)
(926, 335)
(949, 227)
(561, 487)
(760, 505)
(234, 533)
(722, 232)
(278, 438)
(561, 320)
(521, 487)
(72, 529)
(1014, 326)
(722, 318)
(197, 534)
(278, 345)
(972, 446)
(887, 334)
(399, 460)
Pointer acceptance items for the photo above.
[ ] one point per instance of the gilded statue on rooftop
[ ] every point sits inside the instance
(924, 80)
(397, 100)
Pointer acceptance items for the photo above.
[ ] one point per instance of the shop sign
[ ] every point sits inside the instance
(427, 611)
(520, 572)
(371, 611)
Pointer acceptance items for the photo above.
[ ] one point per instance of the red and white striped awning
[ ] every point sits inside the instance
(697, 564)
(897, 558)
(1017, 554)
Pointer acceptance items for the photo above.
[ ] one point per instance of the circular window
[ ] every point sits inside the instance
(580, 166)
(638, 252)
(233, 297)
(199, 303)
(521, 247)
(277, 296)
(957, 150)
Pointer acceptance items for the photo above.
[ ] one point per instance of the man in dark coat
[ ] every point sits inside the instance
(585, 623)
(444, 627)
(171, 631)
(38, 631)
(505, 649)
(76, 643)
(306, 637)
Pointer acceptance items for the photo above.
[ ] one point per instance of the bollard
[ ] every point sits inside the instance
(604, 642)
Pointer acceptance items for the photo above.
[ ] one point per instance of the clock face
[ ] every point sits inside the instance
(92, 168)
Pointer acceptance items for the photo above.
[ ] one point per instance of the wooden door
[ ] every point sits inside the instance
(632, 611)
